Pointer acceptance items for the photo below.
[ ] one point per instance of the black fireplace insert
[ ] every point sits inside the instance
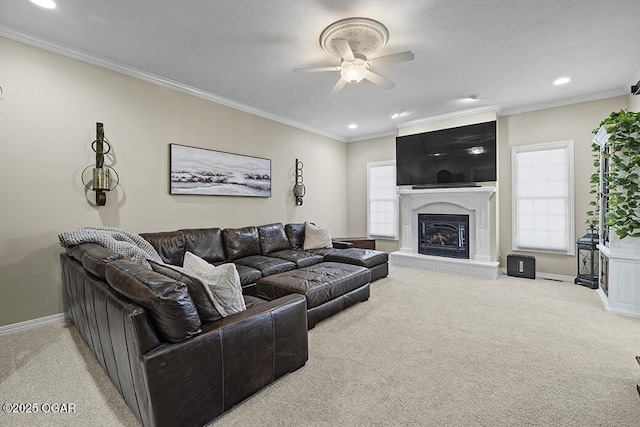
(443, 235)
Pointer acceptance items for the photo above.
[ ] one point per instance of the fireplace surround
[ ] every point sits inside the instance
(475, 202)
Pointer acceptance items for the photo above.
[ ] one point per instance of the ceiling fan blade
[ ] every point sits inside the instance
(343, 47)
(338, 87)
(390, 59)
(379, 80)
(316, 69)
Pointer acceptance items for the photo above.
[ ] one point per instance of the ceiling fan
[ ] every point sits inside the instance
(351, 40)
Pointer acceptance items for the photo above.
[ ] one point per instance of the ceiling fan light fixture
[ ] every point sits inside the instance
(351, 40)
(353, 71)
(366, 36)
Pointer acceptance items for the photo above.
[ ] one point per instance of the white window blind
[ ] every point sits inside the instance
(382, 200)
(542, 188)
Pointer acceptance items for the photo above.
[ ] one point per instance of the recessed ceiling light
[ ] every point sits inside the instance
(471, 98)
(395, 116)
(353, 126)
(561, 81)
(47, 4)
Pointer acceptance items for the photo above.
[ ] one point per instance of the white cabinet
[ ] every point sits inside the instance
(619, 258)
(620, 282)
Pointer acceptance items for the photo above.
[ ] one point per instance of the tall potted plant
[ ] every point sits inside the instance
(622, 177)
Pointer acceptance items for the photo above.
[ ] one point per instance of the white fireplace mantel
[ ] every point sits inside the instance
(472, 201)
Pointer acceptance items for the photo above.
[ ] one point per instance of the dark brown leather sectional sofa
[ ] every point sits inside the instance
(272, 254)
(172, 365)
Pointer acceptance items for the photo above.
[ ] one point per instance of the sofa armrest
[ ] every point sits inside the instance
(192, 382)
(342, 245)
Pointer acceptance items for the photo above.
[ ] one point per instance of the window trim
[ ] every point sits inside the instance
(396, 202)
(569, 147)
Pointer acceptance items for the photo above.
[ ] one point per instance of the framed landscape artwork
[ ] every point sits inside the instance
(215, 173)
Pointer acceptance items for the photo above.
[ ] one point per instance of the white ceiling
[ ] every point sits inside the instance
(242, 53)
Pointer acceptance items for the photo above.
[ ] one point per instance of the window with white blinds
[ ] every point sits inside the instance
(382, 200)
(542, 190)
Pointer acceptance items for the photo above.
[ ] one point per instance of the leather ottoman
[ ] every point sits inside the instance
(329, 287)
(376, 261)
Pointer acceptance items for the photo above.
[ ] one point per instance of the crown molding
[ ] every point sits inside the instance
(392, 132)
(154, 79)
(189, 90)
(526, 108)
(634, 78)
(565, 101)
(451, 115)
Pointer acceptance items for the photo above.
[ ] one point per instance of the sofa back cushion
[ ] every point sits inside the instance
(241, 242)
(169, 244)
(295, 234)
(273, 238)
(167, 301)
(93, 257)
(207, 243)
(199, 292)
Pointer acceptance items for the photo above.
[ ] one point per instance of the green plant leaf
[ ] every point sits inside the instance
(621, 182)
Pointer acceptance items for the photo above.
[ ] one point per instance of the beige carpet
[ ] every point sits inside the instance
(425, 350)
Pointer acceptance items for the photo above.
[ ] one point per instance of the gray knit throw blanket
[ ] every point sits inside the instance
(130, 245)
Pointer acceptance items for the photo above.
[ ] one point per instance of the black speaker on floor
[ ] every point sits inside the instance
(521, 266)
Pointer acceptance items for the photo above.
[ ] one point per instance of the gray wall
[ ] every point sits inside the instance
(47, 123)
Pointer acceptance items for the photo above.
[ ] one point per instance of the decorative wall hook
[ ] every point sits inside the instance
(298, 189)
(104, 178)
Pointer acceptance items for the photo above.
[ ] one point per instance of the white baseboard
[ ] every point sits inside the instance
(34, 323)
(547, 276)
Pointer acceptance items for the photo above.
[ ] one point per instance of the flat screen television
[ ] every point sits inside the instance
(458, 156)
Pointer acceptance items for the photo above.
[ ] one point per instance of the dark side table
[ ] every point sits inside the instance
(359, 242)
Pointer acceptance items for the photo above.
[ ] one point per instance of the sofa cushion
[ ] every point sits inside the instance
(93, 257)
(316, 237)
(266, 265)
(170, 307)
(248, 275)
(324, 251)
(295, 234)
(251, 301)
(273, 238)
(208, 308)
(298, 257)
(222, 280)
(357, 256)
(319, 283)
(206, 243)
(169, 244)
(241, 242)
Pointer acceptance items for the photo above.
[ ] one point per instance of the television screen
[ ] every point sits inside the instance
(447, 157)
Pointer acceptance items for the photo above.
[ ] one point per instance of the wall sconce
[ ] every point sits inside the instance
(298, 188)
(104, 178)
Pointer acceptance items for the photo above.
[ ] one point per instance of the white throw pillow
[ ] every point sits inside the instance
(316, 237)
(223, 281)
